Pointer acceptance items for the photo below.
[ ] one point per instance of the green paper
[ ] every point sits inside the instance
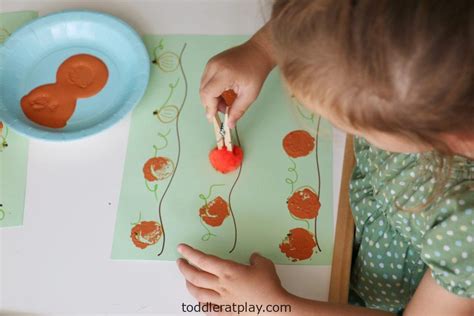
(11, 21)
(265, 181)
(13, 162)
(13, 147)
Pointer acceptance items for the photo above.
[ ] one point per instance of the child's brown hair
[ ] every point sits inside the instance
(398, 66)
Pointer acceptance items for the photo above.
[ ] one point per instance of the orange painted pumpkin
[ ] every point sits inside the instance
(304, 204)
(158, 168)
(145, 233)
(215, 212)
(298, 143)
(298, 244)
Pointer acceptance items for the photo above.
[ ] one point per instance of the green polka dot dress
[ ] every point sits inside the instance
(396, 241)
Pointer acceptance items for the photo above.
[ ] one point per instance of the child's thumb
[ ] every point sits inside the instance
(239, 107)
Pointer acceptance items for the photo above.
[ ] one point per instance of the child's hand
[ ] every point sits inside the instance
(244, 69)
(218, 281)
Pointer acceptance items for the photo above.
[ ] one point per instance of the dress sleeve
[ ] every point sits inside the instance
(448, 247)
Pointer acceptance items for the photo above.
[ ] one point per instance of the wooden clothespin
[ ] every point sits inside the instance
(217, 130)
(227, 134)
(221, 129)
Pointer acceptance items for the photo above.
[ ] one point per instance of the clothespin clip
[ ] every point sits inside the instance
(221, 129)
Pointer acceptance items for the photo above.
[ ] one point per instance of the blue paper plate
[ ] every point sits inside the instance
(32, 55)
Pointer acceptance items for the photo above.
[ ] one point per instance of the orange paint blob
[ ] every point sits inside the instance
(298, 143)
(158, 168)
(304, 204)
(49, 106)
(226, 161)
(145, 234)
(215, 212)
(229, 97)
(52, 105)
(1, 127)
(298, 244)
(83, 75)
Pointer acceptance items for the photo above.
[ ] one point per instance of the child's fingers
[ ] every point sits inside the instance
(210, 95)
(203, 295)
(205, 262)
(209, 72)
(221, 107)
(240, 106)
(195, 276)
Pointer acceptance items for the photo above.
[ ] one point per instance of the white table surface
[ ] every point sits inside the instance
(59, 260)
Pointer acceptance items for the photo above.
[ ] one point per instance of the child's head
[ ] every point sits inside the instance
(399, 73)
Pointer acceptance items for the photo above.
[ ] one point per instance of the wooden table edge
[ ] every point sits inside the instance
(342, 253)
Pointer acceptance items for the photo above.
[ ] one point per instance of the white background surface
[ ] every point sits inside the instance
(59, 260)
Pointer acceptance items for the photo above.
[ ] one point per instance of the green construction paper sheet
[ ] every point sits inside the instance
(11, 21)
(13, 147)
(167, 179)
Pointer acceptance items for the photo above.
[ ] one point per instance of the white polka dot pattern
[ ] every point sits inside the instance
(395, 243)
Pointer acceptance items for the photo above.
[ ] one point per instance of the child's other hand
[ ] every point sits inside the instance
(218, 281)
(244, 69)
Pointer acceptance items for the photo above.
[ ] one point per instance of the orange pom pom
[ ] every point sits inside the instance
(225, 161)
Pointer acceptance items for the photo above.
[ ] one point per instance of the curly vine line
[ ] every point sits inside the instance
(300, 220)
(311, 118)
(319, 179)
(208, 234)
(206, 197)
(230, 195)
(166, 61)
(5, 35)
(5, 31)
(172, 87)
(290, 181)
(139, 219)
(179, 148)
(3, 143)
(167, 113)
(160, 47)
(165, 138)
(2, 212)
(154, 189)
